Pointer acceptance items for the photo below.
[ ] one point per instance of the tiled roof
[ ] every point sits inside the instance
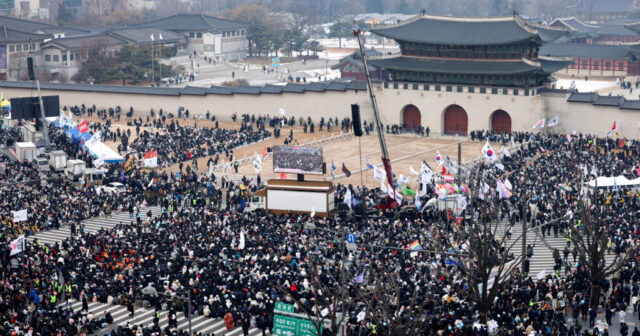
(192, 90)
(582, 97)
(193, 22)
(424, 64)
(597, 100)
(576, 25)
(142, 35)
(583, 50)
(10, 35)
(469, 31)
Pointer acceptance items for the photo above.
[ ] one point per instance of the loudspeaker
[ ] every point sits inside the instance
(32, 73)
(355, 117)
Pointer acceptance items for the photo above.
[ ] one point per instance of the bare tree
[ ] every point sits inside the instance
(394, 308)
(591, 240)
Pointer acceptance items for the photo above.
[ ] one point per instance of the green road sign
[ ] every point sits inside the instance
(291, 326)
(283, 307)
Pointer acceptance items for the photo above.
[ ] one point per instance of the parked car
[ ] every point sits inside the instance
(112, 188)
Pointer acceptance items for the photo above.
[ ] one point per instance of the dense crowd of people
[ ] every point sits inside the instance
(237, 263)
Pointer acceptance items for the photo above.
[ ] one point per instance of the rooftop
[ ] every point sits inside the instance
(575, 25)
(425, 28)
(458, 66)
(192, 22)
(583, 50)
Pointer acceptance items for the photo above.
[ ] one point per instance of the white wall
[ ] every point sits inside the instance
(524, 110)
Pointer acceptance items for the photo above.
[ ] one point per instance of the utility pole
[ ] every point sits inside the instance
(45, 126)
(459, 161)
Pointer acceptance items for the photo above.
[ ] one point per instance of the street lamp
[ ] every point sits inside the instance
(150, 290)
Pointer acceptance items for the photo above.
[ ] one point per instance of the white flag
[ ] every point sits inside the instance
(427, 178)
(539, 124)
(99, 162)
(553, 122)
(241, 244)
(423, 191)
(403, 179)
(462, 203)
(507, 184)
(413, 171)
(505, 151)
(347, 198)
(313, 212)
(20, 215)
(500, 166)
(378, 174)
(152, 38)
(282, 112)
(541, 275)
(160, 35)
(17, 245)
(383, 187)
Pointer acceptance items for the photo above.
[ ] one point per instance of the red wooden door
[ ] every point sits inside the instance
(455, 121)
(411, 118)
(501, 122)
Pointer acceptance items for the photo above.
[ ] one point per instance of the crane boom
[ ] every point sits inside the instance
(379, 127)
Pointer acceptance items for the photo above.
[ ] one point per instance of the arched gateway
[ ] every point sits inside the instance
(455, 120)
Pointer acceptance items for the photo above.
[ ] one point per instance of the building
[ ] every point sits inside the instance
(578, 31)
(351, 66)
(446, 50)
(594, 59)
(214, 37)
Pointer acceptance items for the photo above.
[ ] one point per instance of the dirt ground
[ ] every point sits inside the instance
(405, 151)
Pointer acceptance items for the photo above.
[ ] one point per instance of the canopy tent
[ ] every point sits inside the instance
(99, 150)
(616, 181)
(76, 136)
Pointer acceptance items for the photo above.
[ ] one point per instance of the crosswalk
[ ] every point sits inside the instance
(92, 225)
(143, 317)
(543, 247)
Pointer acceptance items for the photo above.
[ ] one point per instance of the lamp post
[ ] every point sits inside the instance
(150, 290)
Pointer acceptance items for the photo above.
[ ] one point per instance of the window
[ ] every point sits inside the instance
(584, 64)
(621, 66)
(459, 89)
(426, 87)
(47, 58)
(405, 86)
(64, 57)
(71, 57)
(25, 46)
(494, 91)
(608, 65)
(483, 90)
(242, 32)
(526, 92)
(395, 85)
(192, 35)
(449, 88)
(12, 48)
(386, 85)
(199, 35)
(415, 86)
(33, 46)
(472, 89)
(56, 58)
(595, 65)
(437, 87)
(515, 92)
(18, 47)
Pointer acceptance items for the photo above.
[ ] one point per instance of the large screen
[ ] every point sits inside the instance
(297, 160)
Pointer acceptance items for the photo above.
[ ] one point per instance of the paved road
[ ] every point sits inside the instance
(144, 317)
(92, 225)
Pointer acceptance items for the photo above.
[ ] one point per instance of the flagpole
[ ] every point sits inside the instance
(153, 74)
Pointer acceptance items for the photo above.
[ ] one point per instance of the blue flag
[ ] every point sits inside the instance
(369, 166)
(333, 167)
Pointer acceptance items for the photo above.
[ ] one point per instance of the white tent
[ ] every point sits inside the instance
(99, 150)
(619, 181)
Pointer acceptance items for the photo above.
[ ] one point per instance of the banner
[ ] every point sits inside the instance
(539, 124)
(378, 174)
(151, 158)
(553, 122)
(99, 162)
(17, 245)
(20, 215)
